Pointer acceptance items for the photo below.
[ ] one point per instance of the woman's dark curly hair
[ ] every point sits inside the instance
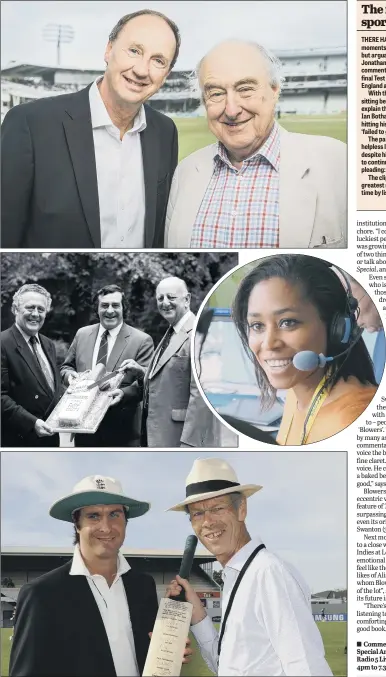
(321, 287)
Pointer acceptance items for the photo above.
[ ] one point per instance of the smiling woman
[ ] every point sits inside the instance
(291, 311)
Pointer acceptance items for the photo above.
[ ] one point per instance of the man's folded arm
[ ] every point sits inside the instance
(17, 172)
(206, 637)
(292, 631)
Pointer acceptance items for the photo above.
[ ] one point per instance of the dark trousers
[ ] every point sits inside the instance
(12, 440)
(117, 429)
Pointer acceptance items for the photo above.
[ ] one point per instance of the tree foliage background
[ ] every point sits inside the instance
(73, 279)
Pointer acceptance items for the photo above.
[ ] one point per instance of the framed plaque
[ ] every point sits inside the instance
(81, 410)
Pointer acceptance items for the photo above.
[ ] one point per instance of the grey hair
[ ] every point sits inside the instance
(236, 500)
(34, 288)
(273, 65)
(175, 278)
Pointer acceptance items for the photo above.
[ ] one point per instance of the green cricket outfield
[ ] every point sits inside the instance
(193, 133)
(334, 638)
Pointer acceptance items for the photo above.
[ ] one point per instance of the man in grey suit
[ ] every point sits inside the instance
(174, 413)
(110, 342)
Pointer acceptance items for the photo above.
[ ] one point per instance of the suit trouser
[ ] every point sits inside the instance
(13, 440)
(145, 411)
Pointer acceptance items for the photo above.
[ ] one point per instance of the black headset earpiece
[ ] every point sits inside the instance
(344, 326)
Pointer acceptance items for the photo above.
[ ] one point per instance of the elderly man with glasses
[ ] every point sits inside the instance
(258, 185)
(267, 626)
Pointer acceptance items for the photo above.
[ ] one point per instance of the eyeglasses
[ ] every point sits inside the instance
(158, 61)
(217, 511)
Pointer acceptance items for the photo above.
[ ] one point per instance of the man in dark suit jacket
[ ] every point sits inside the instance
(62, 624)
(93, 169)
(30, 379)
(121, 424)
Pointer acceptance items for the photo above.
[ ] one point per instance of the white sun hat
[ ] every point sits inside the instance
(211, 477)
(96, 490)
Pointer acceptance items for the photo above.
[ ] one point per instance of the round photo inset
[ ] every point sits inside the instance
(289, 349)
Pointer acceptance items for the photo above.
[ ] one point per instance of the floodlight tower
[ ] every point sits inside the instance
(59, 33)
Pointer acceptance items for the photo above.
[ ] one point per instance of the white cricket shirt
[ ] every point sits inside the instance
(114, 609)
(270, 628)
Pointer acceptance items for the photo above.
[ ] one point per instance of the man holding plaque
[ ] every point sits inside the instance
(267, 626)
(110, 342)
(30, 379)
(174, 413)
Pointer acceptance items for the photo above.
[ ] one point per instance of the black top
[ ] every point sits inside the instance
(48, 174)
(59, 631)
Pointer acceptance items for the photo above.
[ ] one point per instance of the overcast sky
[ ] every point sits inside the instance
(276, 24)
(300, 513)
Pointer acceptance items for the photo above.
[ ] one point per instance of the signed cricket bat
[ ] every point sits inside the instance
(171, 628)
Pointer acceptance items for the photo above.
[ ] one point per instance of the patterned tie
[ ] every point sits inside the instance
(165, 342)
(46, 372)
(102, 352)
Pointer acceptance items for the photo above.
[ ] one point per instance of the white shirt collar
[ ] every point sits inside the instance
(25, 336)
(78, 567)
(113, 332)
(178, 326)
(100, 116)
(238, 560)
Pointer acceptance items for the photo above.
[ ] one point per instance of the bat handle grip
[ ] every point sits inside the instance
(181, 597)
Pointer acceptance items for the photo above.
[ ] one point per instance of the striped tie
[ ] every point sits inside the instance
(46, 372)
(102, 352)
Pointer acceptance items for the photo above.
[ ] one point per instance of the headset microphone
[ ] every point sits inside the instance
(307, 360)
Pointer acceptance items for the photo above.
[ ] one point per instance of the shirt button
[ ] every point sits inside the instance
(36, 397)
(122, 239)
(234, 213)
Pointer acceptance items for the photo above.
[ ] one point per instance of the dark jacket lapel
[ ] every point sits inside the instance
(118, 348)
(150, 158)
(88, 345)
(26, 354)
(175, 344)
(87, 617)
(79, 135)
(141, 615)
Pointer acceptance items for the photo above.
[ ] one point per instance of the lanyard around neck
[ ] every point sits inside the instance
(233, 593)
(318, 397)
